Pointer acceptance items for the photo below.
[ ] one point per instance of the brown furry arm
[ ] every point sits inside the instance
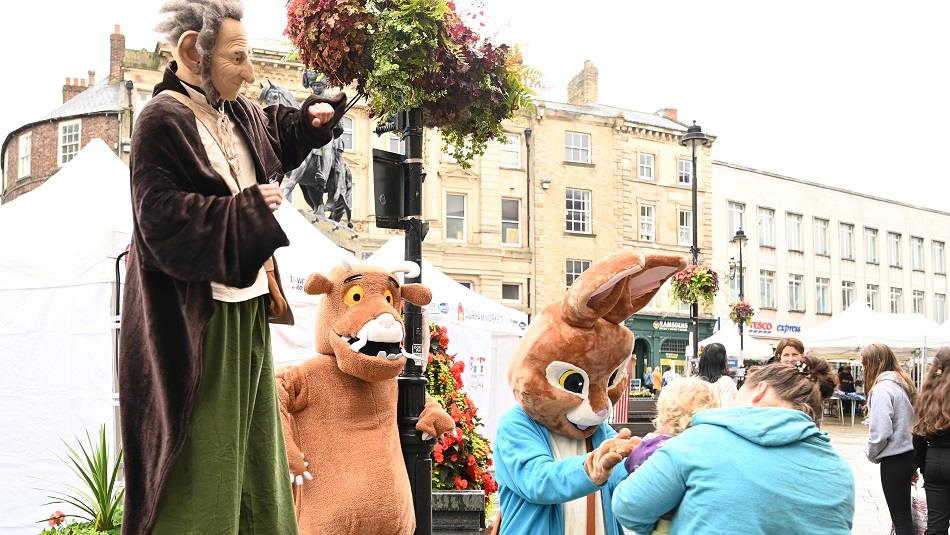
(433, 420)
(292, 397)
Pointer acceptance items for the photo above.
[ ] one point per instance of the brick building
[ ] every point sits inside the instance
(36, 150)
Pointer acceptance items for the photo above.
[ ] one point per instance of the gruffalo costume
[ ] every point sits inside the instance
(557, 460)
(338, 409)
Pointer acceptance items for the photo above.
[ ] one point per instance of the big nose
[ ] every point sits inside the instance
(248, 72)
(602, 413)
(386, 320)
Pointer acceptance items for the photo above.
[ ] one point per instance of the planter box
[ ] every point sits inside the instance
(458, 512)
(641, 409)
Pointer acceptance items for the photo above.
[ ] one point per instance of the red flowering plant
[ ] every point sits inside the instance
(405, 54)
(459, 462)
(695, 284)
(741, 313)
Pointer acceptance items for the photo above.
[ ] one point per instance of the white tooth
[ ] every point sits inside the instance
(381, 354)
(356, 346)
(392, 357)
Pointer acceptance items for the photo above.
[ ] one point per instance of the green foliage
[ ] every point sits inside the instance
(98, 498)
(79, 528)
(695, 284)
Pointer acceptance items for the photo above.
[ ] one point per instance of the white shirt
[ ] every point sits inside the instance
(575, 511)
(247, 178)
(726, 389)
(669, 376)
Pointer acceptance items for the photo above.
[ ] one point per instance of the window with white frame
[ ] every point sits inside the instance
(846, 240)
(574, 268)
(873, 299)
(685, 218)
(646, 166)
(793, 227)
(647, 222)
(685, 168)
(397, 144)
(510, 293)
(511, 221)
(736, 217)
(821, 237)
(577, 147)
(578, 210)
(894, 249)
(734, 289)
(511, 151)
(940, 308)
(796, 301)
(897, 300)
(24, 155)
(766, 227)
(454, 217)
(347, 136)
(917, 253)
(870, 245)
(919, 302)
(766, 289)
(69, 135)
(847, 294)
(938, 257)
(823, 295)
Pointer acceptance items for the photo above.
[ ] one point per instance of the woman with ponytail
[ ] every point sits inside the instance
(932, 433)
(891, 394)
(765, 448)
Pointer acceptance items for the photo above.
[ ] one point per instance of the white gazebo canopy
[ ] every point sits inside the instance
(728, 336)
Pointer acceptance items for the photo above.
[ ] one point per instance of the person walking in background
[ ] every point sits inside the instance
(788, 351)
(669, 375)
(713, 369)
(767, 449)
(657, 380)
(932, 434)
(648, 380)
(891, 413)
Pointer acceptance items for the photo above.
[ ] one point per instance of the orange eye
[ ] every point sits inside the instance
(389, 297)
(353, 295)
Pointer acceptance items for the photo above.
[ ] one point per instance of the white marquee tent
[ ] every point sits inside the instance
(482, 333)
(57, 267)
(859, 326)
(728, 335)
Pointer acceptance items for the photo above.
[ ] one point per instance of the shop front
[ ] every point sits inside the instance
(662, 340)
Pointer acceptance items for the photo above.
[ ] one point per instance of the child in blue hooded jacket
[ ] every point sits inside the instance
(765, 451)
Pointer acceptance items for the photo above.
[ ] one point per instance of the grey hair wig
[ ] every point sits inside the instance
(204, 17)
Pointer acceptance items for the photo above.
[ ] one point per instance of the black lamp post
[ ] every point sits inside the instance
(739, 238)
(695, 138)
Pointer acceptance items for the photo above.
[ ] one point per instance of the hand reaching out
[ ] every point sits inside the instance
(272, 195)
(601, 462)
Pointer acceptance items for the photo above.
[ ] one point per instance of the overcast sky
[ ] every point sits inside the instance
(847, 93)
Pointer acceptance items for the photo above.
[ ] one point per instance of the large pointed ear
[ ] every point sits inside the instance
(317, 284)
(616, 287)
(417, 294)
(186, 52)
(643, 284)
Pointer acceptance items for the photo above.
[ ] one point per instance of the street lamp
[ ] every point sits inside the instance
(695, 138)
(739, 238)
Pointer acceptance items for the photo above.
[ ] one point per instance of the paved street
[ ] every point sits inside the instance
(870, 510)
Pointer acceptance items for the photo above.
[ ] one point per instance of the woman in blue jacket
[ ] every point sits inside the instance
(766, 450)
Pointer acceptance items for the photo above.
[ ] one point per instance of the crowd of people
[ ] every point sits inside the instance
(769, 448)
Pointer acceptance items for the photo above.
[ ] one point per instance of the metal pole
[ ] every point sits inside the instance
(741, 298)
(412, 383)
(694, 308)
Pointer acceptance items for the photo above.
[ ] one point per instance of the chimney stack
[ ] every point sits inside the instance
(669, 113)
(92, 77)
(116, 54)
(73, 87)
(582, 90)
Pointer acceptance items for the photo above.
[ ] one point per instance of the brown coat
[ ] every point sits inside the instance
(187, 231)
(338, 410)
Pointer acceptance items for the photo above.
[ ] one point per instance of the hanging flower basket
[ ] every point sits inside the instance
(695, 284)
(741, 313)
(405, 54)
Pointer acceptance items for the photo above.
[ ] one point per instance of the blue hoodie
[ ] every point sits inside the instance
(742, 470)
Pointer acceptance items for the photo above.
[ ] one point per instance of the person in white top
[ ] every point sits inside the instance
(669, 375)
(713, 369)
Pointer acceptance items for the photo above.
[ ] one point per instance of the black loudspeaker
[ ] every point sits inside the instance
(389, 184)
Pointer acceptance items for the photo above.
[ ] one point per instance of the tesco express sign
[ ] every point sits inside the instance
(765, 327)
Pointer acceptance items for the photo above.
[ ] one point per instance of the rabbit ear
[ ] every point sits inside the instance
(616, 287)
(640, 287)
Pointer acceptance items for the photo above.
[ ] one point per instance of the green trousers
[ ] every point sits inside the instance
(232, 476)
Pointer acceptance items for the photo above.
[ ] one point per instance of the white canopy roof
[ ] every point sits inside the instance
(451, 299)
(728, 335)
(859, 326)
(69, 230)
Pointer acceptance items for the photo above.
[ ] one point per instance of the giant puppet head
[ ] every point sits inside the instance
(210, 45)
(570, 367)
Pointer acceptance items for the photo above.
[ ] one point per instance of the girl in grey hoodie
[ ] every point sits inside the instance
(891, 412)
